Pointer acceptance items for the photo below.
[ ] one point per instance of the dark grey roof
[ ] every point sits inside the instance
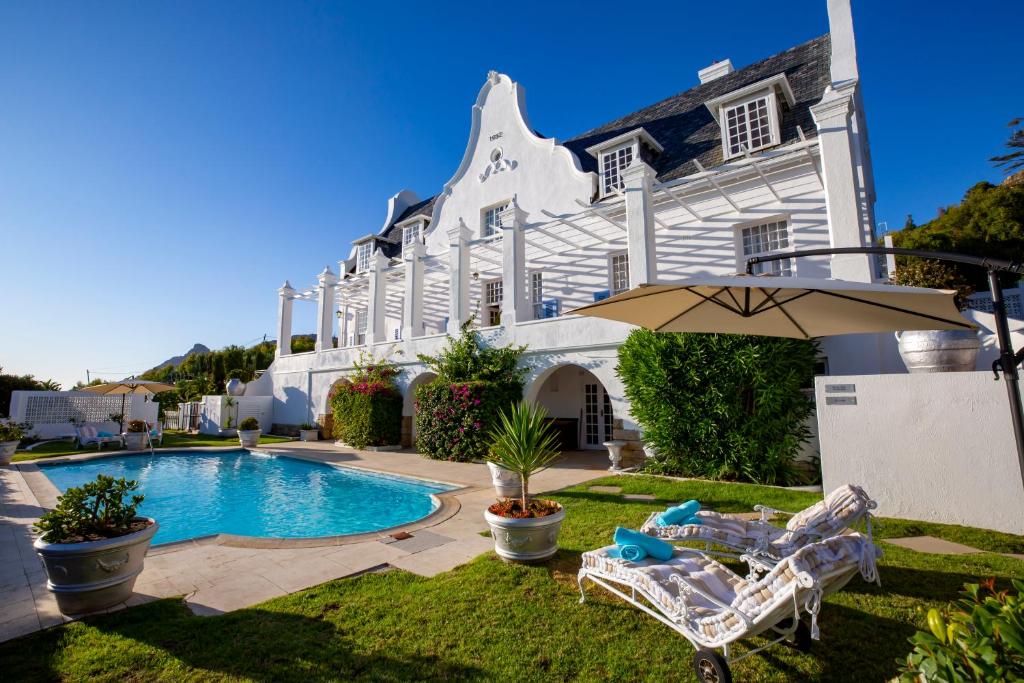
(685, 127)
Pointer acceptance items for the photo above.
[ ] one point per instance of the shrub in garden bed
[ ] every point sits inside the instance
(367, 406)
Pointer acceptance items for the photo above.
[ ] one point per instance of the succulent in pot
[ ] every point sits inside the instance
(309, 431)
(524, 529)
(11, 434)
(249, 432)
(135, 434)
(93, 544)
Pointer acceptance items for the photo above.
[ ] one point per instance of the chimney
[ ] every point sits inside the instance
(716, 70)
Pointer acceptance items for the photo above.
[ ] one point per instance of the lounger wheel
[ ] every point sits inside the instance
(711, 667)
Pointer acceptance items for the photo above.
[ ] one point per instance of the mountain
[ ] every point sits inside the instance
(176, 360)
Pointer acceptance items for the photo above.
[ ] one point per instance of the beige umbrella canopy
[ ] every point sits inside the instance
(801, 308)
(129, 386)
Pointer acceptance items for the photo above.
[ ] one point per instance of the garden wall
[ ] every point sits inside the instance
(936, 447)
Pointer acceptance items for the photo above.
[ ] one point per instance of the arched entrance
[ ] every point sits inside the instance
(409, 408)
(578, 402)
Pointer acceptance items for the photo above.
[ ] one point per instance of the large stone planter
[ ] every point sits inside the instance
(249, 438)
(309, 435)
(95, 575)
(134, 440)
(507, 484)
(525, 540)
(7, 449)
(939, 350)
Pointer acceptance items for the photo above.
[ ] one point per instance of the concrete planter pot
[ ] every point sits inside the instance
(525, 540)
(309, 435)
(91, 576)
(939, 350)
(135, 440)
(507, 484)
(249, 438)
(7, 449)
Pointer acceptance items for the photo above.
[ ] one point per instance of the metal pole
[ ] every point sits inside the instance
(1008, 364)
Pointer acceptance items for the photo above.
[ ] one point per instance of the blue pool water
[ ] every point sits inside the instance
(255, 494)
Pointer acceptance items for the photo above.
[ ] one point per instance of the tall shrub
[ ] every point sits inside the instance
(475, 383)
(368, 407)
(719, 406)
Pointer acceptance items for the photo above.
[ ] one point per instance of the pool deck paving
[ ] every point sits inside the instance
(221, 574)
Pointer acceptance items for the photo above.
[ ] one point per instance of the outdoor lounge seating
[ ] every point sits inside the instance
(763, 545)
(156, 434)
(712, 606)
(90, 433)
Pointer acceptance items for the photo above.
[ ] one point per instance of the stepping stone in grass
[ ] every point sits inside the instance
(639, 496)
(932, 545)
(605, 489)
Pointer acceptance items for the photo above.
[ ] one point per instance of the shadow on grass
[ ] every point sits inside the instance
(259, 644)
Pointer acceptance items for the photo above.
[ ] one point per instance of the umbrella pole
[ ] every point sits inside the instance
(1007, 363)
(122, 412)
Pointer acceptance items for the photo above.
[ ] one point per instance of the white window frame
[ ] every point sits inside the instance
(611, 186)
(489, 229)
(612, 258)
(536, 283)
(415, 230)
(771, 102)
(783, 268)
(364, 256)
(361, 324)
(490, 304)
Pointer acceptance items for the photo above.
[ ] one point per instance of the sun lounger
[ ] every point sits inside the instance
(90, 433)
(763, 545)
(713, 607)
(156, 434)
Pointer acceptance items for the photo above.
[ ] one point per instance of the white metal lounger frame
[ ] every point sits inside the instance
(829, 583)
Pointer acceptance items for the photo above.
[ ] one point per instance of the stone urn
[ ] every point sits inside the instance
(939, 350)
(135, 441)
(235, 387)
(507, 484)
(94, 575)
(525, 540)
(7, 449)
(249, 438)
(615, 453)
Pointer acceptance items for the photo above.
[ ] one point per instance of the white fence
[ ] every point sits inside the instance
(51, 412)
(220, 415)
(1012, 298)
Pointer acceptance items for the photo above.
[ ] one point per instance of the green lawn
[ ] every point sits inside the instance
(488, 620)
(171, 440)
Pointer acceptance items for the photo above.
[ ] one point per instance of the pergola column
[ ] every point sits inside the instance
(286, 297)
(343, 324)
(458, 277)
(638, 178)
(515, 303)
(412, 301)
(326, 286)
(843, 192)
(378, 286)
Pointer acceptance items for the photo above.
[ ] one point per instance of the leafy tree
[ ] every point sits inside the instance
(303, 343)
(467, 358)
(1014, 159)
(916, 272)
(10, 383)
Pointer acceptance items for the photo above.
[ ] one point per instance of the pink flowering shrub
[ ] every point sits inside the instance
(367, 406)
(454, 419)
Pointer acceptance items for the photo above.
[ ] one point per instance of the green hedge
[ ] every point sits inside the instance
(719, 406)
(367, 418)
(454, 420)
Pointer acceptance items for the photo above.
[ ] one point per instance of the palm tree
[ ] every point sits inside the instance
(1014, 159)
(49, 385)
(524, 443)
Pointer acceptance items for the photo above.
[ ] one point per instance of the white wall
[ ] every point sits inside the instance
(49, 411)
(935, 447)
(215, 412)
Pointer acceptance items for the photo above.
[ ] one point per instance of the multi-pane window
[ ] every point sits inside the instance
(748, 126)
(410, 235)
(492, 220)
(613, 163)
(537, 294)
(492, 302)
(360, 327)
(364, 256)
(619, 271)
(764, 239)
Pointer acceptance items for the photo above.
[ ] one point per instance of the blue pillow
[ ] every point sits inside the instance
(104, 435)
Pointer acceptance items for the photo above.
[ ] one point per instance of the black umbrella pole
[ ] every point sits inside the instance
(1008, 364)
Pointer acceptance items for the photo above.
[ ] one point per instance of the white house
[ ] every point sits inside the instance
(767, 158)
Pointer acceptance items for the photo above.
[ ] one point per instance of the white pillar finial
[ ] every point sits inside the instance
(515, 306)
(378, 286)
(412, 299)
(638, 178)
(326, 286)
(458, 277)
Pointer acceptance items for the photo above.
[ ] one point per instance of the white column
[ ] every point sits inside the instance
(343, 324)
(638, 178)
(326, 287)
(843, 195)
(286, 296)
(378, 287)
(458, 277)
(412, 301)
(515, 299)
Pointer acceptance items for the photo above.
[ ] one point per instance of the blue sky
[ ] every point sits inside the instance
(165, 166)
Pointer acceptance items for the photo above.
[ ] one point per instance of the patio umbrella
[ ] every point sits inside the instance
(773, 306)
(129, 386)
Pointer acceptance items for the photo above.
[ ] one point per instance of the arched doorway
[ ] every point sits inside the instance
(409, 408)
(578, 402)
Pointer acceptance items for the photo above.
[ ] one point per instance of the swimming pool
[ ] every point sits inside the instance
(256, 494)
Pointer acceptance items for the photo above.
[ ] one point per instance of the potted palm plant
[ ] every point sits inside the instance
(249, 432)
(309, 432)
(135, 434)
(524, 529)
(11, 434)
(93, 544)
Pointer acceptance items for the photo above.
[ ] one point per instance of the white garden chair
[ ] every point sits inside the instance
(763, 545)
(713, 607)
(89, 433)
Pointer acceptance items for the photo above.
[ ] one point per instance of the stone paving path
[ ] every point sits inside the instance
(939, 546)
(217, 578)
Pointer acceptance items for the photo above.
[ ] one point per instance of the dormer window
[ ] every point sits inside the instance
(411, 234)
(616, 154)
(490, 222)
(364, 256)
(749, 117)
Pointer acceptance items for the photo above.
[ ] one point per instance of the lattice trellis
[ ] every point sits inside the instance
(59, 409)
